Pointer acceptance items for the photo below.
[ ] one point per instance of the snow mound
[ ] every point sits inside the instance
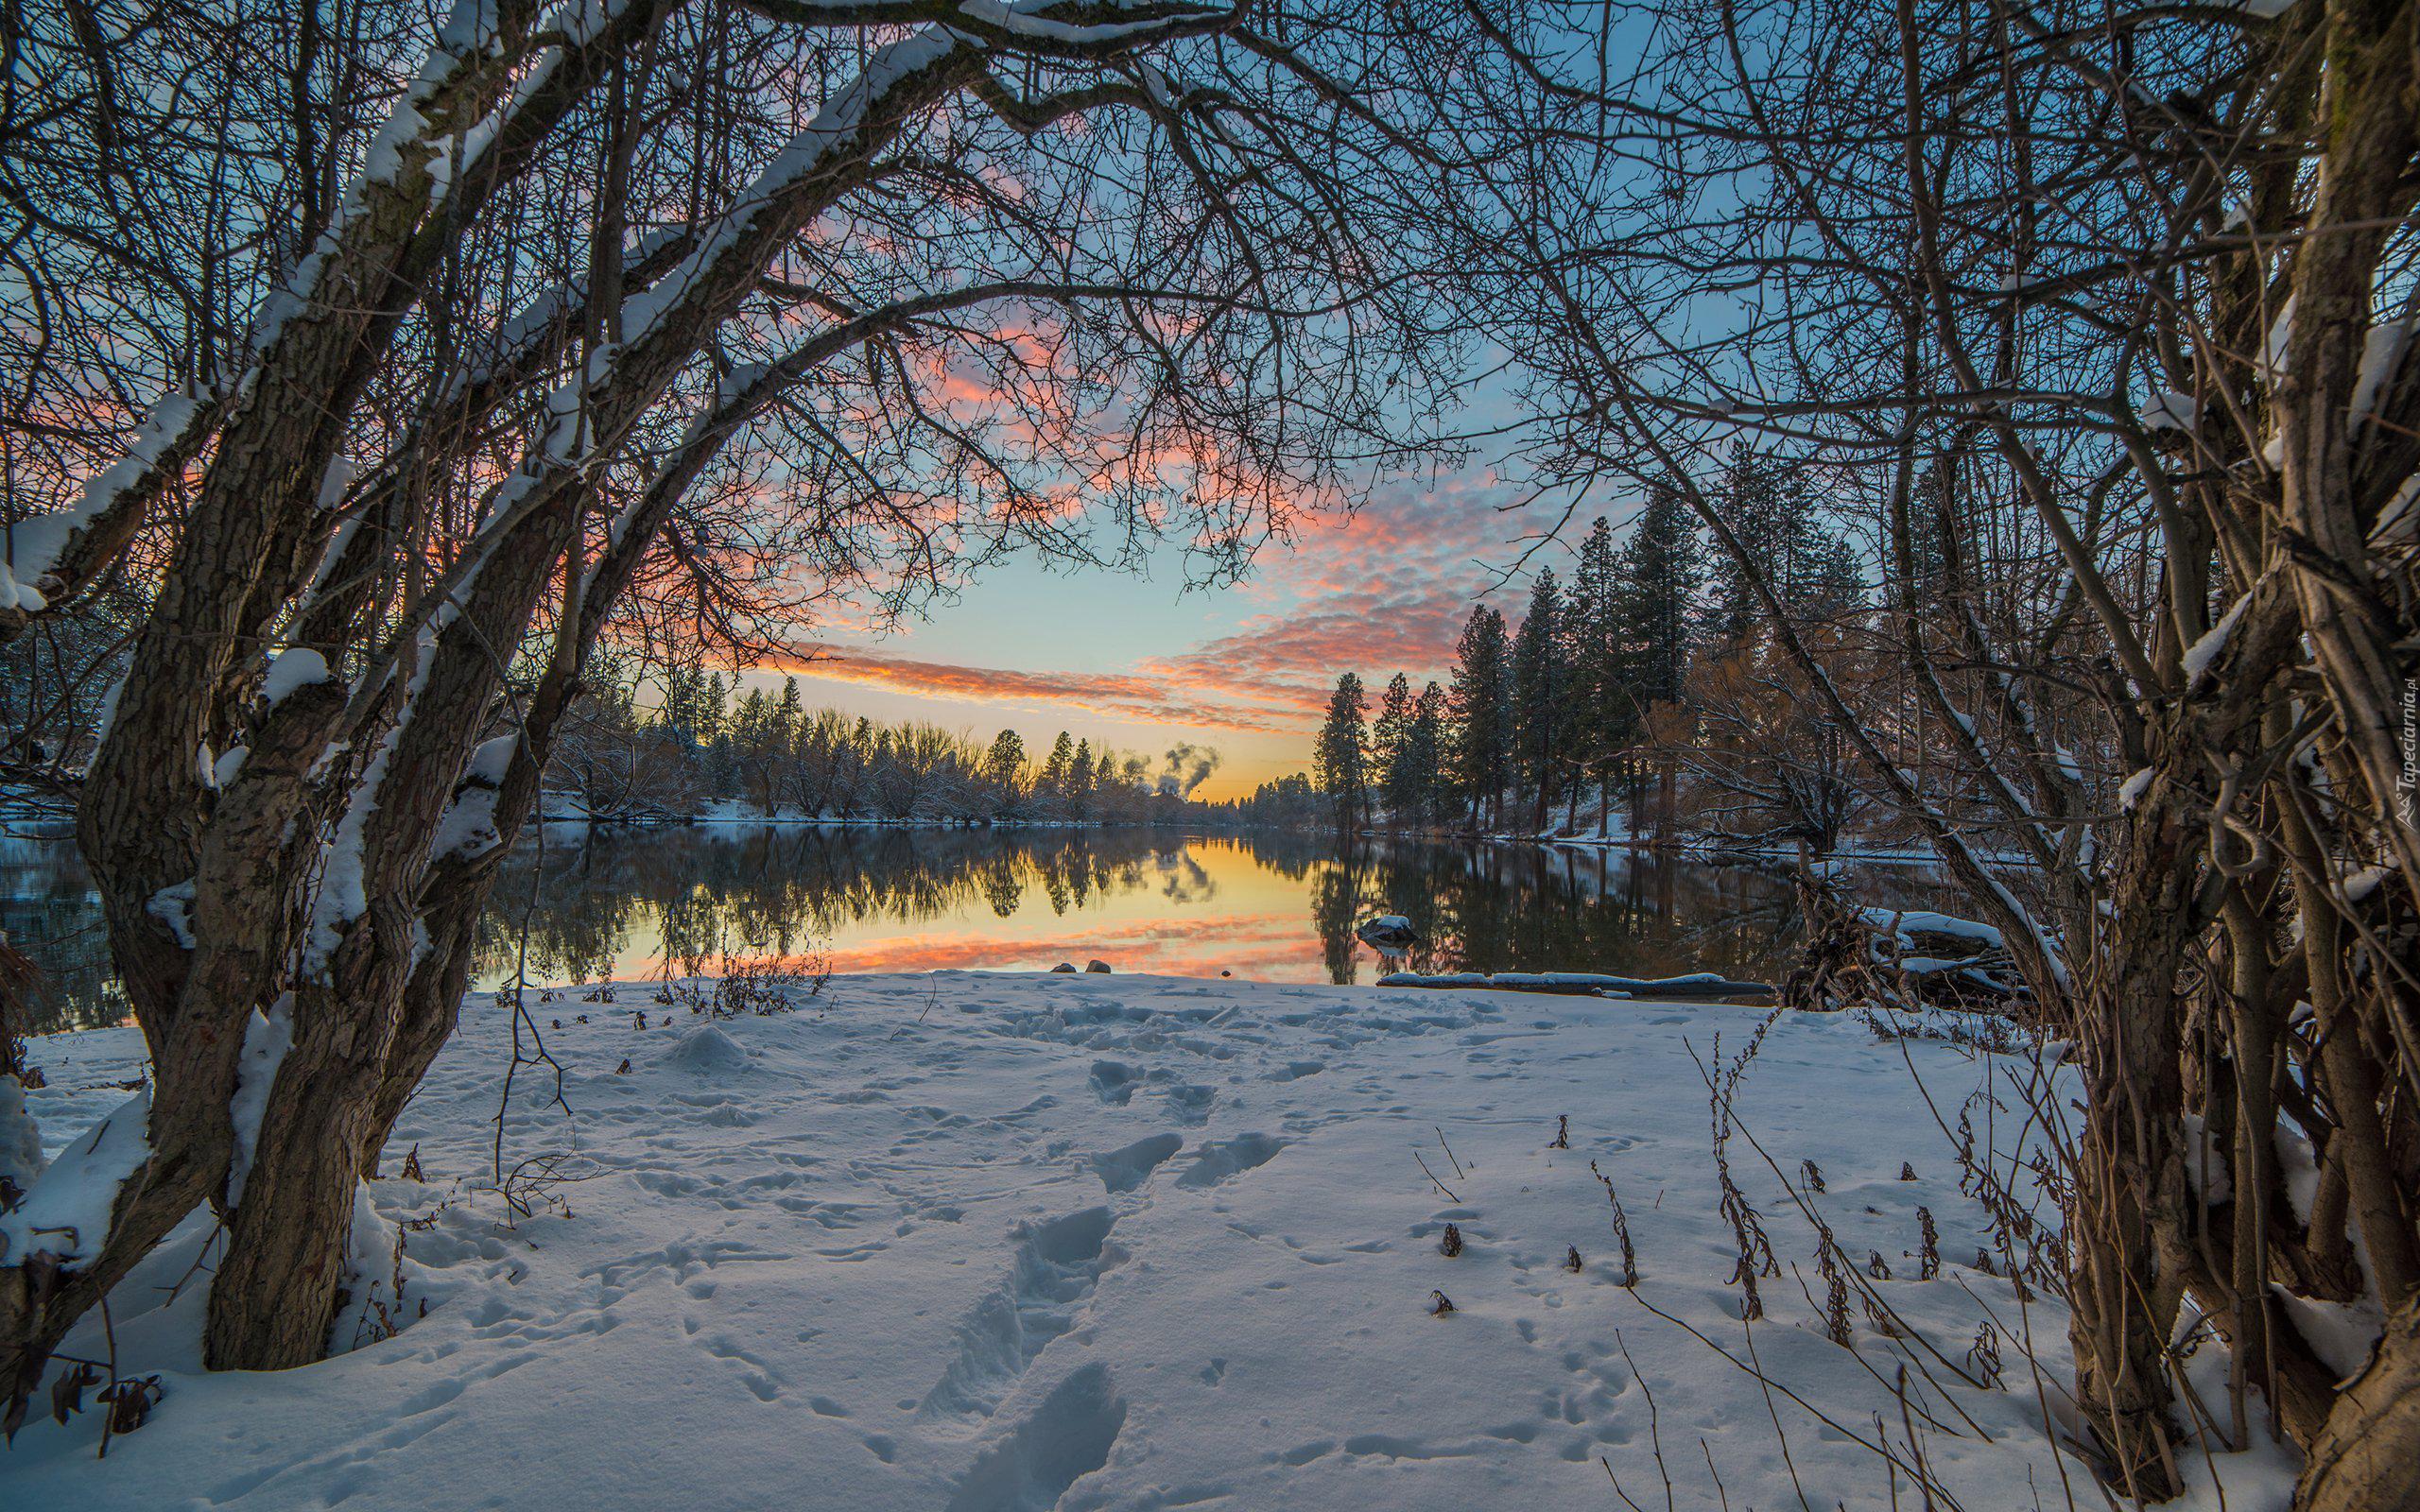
(709, 1051)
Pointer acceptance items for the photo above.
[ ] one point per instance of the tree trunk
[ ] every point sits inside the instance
(2129, 1229)
(2365, 1458)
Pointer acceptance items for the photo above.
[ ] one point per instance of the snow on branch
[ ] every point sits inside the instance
(51, 555)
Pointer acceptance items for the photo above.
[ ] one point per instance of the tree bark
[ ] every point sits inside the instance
(2367, 1456)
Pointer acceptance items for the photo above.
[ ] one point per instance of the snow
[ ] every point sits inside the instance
(2381, 354)
(1906, 923)
(2172, 411)
(172, 906)
(19, 1138)
(266, 1038)
(22, 597)
(67, 1211)
(2206, 1164)
(2273, 350)
(35, 545)
(1112, 1242)
(2131, 791)
(2340, 1334)
(343, 895)
(295, 667)
(468, 825)
(490, 759)
(2199, 656)
(2394, 521)
(835, 125)
(336, 481)
(106, 713)
(2359, 884)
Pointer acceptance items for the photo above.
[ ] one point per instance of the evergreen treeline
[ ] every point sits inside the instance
(1648, 666)
(767, 753)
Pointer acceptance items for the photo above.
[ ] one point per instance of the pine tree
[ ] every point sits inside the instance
(1481, 704)
(1774, 509)
(1753, 501)
(1004, 766)
(712, 710)
(1056, 765)
(1340, 759)
(1539, 680)
(1080, 781)
(1425, 753)
(1658, 579)
(750, 726)
(679, 705)
(1391, 749)
(1603, 714)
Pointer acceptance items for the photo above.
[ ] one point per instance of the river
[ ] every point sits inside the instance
(579, 905)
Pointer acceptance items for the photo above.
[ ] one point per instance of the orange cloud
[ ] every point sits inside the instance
(1384, 590)
(1151, 699)
(1167, 946)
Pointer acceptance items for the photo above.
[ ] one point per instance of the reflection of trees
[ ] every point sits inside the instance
(776, 889)
(49, 910)
(1505, 908)
(1481, 908)
(1337, 893)
(1002, 887)
(716, 891)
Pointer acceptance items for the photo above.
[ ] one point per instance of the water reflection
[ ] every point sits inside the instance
(580, 906)
(51, 913)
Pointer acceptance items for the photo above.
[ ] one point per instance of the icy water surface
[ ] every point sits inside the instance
(631, 903)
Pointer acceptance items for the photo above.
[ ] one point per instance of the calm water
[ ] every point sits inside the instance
(1276, 907)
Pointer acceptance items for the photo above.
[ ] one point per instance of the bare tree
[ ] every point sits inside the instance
(2102, 319)
(640, 318)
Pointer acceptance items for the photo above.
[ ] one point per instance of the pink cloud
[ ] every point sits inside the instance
(1146, 697)
(1384, 590)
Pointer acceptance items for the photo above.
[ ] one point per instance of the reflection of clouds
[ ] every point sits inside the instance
(1161, 946)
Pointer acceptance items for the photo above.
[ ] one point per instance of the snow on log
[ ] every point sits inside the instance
(1909, 923)
(66, 1212)
(1585, 983)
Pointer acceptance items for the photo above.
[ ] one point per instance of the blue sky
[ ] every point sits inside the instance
(1132, 660)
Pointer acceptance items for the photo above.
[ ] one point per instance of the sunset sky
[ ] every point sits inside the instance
(1132, 661)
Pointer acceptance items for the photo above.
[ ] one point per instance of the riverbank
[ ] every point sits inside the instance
(985, 1241)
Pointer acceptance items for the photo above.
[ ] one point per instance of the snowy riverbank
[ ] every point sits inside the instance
(1007, 1242)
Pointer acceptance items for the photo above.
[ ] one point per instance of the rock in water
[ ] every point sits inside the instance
(1100, 965)
(1392, 934)
(1067, 968)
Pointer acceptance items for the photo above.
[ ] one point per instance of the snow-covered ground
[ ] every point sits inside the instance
(982, 1243)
